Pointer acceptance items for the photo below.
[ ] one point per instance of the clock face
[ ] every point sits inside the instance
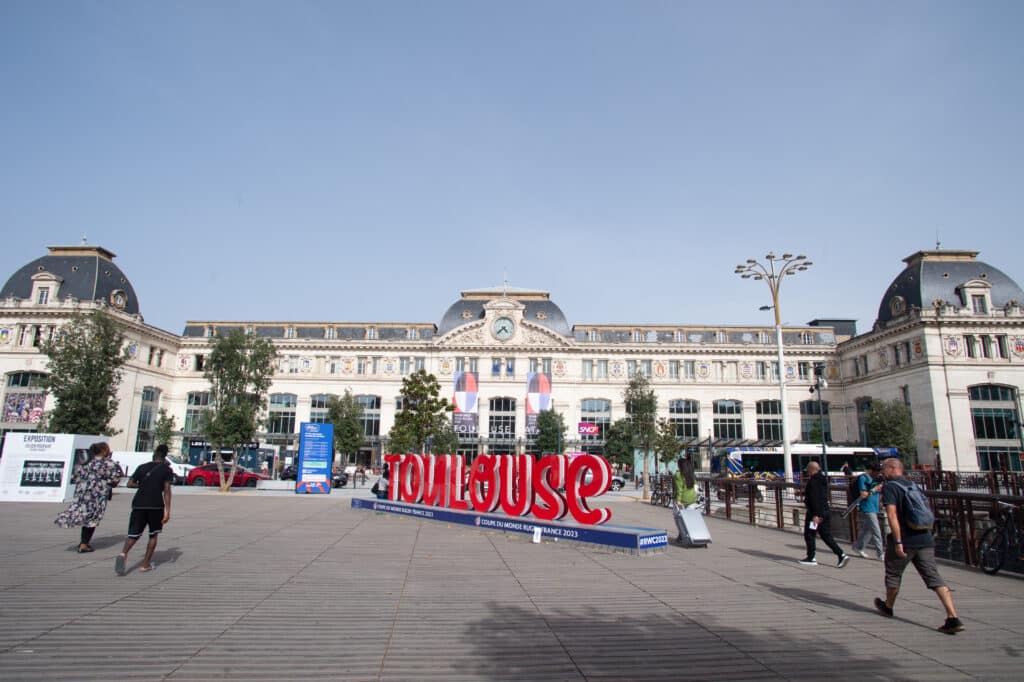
(503, 328)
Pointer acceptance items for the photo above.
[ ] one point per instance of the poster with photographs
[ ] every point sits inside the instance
(23, 408)
(41, 474)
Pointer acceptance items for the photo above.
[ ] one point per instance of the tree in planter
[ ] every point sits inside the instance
(239, 369)
(344, 413)
(85, 365)
(163, 428)
(666, 445)
(444, 440)
(550, 432)
(890, 425)
(618, 443)
(423, 411)
(642, 411)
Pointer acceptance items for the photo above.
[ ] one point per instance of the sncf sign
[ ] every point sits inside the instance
(588, 429)
(518, 484)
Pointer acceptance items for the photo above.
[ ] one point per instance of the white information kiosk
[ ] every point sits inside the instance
(37, 467)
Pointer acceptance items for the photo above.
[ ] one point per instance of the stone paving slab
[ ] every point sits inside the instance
(280, 587)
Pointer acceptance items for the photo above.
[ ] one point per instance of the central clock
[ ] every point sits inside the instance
(503, 328)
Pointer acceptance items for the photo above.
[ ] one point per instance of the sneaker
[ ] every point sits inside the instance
(862, 553)
(119, 564)
(882, 608)
(881, 557)
(952, 626)
(843, 560)
(808, 562)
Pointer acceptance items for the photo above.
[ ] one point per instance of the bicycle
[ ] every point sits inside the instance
(998, 540)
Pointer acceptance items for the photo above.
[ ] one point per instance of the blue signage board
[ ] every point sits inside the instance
(621, 537)
(316, 454)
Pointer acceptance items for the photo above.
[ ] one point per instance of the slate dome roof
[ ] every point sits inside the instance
(937, 275)
(540, 309)
(88, 273)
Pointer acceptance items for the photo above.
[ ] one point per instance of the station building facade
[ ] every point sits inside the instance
(948, 341)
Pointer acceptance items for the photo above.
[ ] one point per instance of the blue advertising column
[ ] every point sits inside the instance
(316, 453)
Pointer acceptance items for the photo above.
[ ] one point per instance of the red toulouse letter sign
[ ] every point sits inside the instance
(516, 483)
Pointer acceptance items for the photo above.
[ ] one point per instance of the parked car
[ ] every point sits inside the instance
(618, 482)
(291, 473)
(207, 474)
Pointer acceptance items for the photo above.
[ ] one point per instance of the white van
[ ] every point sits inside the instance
(130, 461)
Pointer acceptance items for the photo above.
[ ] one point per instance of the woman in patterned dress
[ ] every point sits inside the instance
(94, 481)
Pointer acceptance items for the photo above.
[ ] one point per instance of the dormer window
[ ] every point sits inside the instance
(43, 296)
(975, 296)
(371, 332)
(289, 332)
(979, 304)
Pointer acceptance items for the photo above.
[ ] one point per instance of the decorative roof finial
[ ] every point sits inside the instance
(504, 285)
(85, 239)
(938, 242)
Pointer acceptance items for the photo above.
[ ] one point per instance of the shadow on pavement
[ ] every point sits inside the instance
(166, 556)
(787, 558)
(105, 542)
(512, 642)
(819, 598)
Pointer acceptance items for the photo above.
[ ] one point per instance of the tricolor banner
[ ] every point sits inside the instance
(538, 399)
(467, 406)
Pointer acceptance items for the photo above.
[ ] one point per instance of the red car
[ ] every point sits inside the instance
(208, 475)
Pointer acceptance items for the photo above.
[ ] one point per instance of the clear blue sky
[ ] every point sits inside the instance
(366, 161)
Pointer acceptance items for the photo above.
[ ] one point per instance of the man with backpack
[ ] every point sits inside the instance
(910, 541)
(866, 488)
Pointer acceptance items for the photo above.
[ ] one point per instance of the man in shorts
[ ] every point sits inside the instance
(906, 545)
(151, 507)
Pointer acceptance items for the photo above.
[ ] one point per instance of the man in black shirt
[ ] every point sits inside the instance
(151, 507)
(817, 521)
(907, 545)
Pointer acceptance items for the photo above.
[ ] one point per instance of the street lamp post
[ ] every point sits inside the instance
(772, 271)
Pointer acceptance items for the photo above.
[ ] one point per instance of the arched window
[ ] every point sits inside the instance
(809, 422)
(769, 420)
(24, 400)
(371, 414)
(728, 420)
(684, 415)
(996, 422)
(281, 415)
(318, 407)
(596, 411)
(197, 403)
(147, 416)
(501, 423)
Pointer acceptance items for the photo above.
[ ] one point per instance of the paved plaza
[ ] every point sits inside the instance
(255, 586)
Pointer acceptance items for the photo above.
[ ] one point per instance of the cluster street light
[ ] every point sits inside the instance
(772, 271)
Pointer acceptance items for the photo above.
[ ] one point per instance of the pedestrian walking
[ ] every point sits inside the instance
(94, 484)
(869, 485)
(817, 521)
(908, 543)
(380, 488)
(151, 507)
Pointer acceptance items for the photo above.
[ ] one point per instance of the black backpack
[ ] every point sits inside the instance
(853, 489)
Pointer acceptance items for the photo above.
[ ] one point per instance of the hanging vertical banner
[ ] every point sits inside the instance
(467, 407)
(316, 454)
(538, 399)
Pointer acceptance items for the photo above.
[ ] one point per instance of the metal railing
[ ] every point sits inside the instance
(961, 517)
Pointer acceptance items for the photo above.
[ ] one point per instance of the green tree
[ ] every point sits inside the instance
(642, 410)
(890, 425)
(85, 365)
(550, 432)
(163, 428)
(618, 443)
(344, 413)
(422, 415)
(666, 445)
(239, 369)
(814, 435)
(444, 440)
